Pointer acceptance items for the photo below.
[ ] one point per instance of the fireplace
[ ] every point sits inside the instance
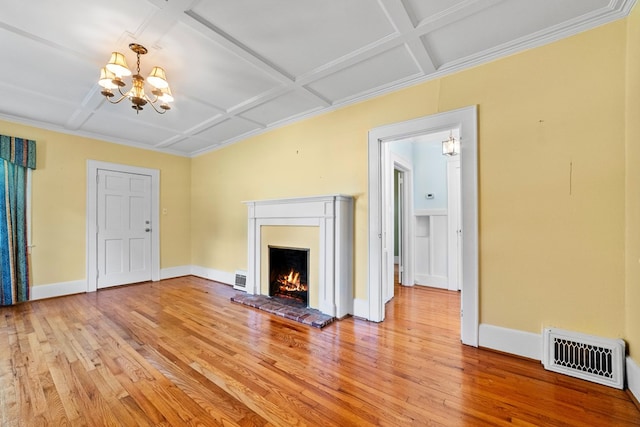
(289, 273)
(332, 216)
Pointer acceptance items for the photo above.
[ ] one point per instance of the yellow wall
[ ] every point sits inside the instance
(632, 298)
(552, 253)
(59, 200)
(551, 139)
(551, 183)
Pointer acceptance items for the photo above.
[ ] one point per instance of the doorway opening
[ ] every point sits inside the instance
(426, 218)
(398, 195)
(380, 240)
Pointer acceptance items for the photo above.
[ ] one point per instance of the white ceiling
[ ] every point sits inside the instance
(240, 67)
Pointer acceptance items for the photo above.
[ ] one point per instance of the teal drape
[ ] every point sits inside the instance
(17, 155)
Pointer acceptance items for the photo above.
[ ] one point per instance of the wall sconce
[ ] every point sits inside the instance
(451, 147)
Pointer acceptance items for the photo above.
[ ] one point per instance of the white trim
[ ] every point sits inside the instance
(224, 277)
(633, 377)
(53, 290)
(453, 221)
(616, 9)
(92, 193)
(171, 272)
(28, 210)
(428, 280)
(512, 341)
(333, 215)
(397, 162)
(464, 119)
(361, 308)
(430, 212)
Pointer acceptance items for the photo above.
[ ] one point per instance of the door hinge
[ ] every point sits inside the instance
(461, 313)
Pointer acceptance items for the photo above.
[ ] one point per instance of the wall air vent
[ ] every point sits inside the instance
(240, 282)
(590, 358)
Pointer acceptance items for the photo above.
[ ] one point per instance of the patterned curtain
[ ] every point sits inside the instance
(17, 155)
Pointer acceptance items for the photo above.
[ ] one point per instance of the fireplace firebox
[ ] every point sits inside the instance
(288, 273)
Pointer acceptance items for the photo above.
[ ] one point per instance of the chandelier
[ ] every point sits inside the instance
(111, 78)
(451, 146)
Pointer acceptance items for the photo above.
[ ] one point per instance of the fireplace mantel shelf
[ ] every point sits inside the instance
(297, 207)
(333, 215)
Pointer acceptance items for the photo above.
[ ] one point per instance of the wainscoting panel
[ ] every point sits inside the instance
(431, 234)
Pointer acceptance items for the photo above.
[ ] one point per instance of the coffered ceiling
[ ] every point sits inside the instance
(240, 67)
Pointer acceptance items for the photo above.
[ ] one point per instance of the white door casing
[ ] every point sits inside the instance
(466, 120)
(405, 167)
(400, 220)
(454, 228)
(120, 199)
(393, 162)
(388, 244)
(124, 228)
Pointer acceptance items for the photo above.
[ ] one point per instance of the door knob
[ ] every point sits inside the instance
(147, 230)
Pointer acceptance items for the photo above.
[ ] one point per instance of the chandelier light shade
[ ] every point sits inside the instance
(451, 147)
(118, 65)
(111, 79)
(106, 79)
(158, 78)
(166, 95)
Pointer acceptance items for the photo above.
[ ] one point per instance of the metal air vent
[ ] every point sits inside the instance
(591, 358)
(240, 282)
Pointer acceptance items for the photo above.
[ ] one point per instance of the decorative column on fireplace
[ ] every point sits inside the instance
(333, 215)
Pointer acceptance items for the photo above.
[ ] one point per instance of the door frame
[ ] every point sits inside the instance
(91, 217)
(453, 221)
(405, 167)
(466, 120)
(392, 162)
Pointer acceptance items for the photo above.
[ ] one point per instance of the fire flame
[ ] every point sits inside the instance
(291, 282)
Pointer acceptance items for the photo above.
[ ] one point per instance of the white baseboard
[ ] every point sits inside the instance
(171, 272)
(440, 282)
(53, 290)
(204, 272)
(361, 308)
(212, 274)
(525, 344)
(633, 377)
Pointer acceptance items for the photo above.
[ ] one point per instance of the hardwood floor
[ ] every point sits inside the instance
(178, 352)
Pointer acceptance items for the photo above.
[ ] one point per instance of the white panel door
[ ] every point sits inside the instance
(123, 228)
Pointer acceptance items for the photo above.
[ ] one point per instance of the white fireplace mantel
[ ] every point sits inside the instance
(333, 215)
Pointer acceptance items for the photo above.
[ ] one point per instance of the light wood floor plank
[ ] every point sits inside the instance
(178, 352)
